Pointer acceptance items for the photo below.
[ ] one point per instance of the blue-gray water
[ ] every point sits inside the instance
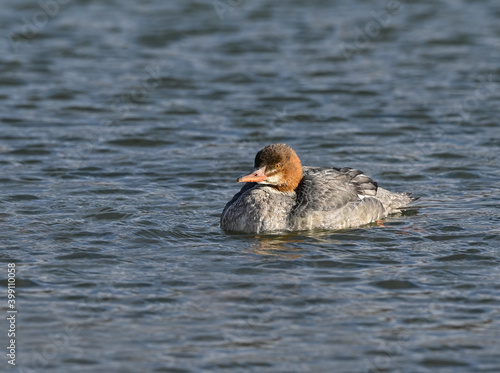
(124, 125)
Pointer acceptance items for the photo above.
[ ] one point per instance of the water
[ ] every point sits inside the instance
(125, 124)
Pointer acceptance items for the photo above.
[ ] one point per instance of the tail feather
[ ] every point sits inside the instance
(393, 202)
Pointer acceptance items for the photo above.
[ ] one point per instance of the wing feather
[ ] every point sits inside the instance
(324, 189)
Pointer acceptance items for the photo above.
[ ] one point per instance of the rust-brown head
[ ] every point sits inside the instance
(276, 165)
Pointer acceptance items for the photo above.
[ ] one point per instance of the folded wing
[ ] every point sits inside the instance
(323, 189)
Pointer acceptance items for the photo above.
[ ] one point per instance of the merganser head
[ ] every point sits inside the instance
(276, 165)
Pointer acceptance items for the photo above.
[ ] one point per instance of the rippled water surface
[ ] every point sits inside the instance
(124, 124)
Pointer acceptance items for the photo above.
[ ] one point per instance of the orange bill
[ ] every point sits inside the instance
(254, 177)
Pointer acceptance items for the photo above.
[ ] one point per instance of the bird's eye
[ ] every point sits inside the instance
(278, 165)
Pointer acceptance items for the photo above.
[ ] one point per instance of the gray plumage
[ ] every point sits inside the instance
(326, 198)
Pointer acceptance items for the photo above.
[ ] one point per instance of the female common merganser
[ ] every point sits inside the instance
(281, 195)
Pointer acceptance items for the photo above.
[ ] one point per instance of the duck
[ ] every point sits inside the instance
(281, 195)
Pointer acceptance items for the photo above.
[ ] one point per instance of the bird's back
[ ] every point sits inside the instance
(334, 198)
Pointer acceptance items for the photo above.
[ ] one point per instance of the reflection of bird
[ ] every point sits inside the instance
(281, 195)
